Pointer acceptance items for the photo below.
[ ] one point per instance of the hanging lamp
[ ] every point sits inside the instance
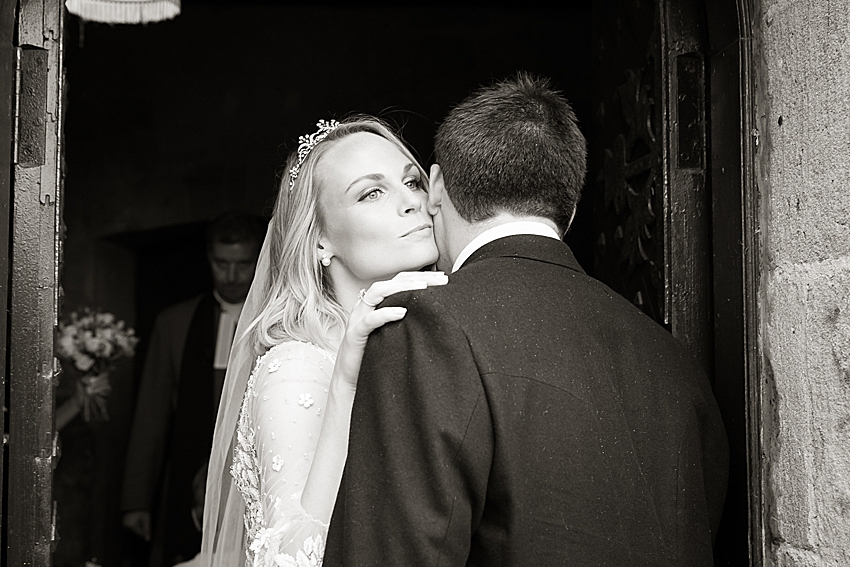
(124, 11)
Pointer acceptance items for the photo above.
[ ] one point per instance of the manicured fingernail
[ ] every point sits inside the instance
(400, 311)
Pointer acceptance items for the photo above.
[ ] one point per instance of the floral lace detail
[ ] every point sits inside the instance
(264, 542)
(267, 543)
(245, 468)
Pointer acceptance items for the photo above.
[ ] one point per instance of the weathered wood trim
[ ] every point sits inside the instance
(752, 261)
(34, 286)
(735, 269)
(7, 87)
(686, 200)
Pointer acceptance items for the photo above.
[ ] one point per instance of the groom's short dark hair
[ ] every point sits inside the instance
(514, 146)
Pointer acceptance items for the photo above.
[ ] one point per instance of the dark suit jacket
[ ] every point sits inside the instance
(164, 450)
(156, 400)
(525, 414)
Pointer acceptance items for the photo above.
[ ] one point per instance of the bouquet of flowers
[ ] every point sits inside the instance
(92, 341)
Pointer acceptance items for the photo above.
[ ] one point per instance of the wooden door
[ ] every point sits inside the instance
(651, 205)
(660, 239)
(35, 254)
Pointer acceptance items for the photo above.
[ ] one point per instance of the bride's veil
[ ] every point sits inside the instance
(223, 505)
(223, 528)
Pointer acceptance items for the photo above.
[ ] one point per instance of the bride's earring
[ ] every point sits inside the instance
(326, 260)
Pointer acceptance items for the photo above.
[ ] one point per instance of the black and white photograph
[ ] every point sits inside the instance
(425, 284)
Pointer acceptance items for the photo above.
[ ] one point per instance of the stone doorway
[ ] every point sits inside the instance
(711, 156)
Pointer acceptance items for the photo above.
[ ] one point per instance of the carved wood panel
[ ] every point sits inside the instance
(651, 203)
(631, 178)
(628, 162)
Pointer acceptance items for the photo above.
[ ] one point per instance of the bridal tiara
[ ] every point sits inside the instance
(307, 143)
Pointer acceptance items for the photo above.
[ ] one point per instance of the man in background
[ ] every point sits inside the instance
(179, 393)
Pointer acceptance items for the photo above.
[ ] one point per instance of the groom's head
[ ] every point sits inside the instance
(513, 147)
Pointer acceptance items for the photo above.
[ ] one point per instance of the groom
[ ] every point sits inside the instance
(524, 414)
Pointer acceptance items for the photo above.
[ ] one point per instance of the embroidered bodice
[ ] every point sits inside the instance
(276, 436)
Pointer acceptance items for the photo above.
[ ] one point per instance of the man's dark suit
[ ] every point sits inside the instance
(173, 426)
(524, 414)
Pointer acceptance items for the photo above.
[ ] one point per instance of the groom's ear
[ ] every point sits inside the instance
(436, 189)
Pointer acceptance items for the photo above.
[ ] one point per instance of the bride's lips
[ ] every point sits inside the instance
(419, 228)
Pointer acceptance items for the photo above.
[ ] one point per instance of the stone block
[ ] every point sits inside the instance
(806, 57)
(806, 342)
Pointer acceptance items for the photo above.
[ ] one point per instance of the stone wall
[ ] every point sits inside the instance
(802, 53)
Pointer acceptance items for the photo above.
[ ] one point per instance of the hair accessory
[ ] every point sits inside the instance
(326, 260)
(307, 143)
(362, 296)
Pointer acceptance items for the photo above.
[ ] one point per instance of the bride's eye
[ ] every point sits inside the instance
(372, 194)
(414, 183)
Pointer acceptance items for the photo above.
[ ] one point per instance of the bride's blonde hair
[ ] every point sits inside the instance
(298, 301)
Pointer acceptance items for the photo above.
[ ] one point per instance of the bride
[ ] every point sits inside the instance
(349, 228)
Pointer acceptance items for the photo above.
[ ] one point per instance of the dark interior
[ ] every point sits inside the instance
(172, 123)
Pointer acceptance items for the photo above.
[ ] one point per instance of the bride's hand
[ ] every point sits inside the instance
(322, 483)
(365, 318)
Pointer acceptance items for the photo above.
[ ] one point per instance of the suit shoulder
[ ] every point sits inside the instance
(430, 299)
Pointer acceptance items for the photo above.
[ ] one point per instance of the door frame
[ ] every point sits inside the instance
(737, 257)
(35, 254)
(34, 280)
(7, 75)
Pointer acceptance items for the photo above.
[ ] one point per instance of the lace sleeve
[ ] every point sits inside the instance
(284, 412)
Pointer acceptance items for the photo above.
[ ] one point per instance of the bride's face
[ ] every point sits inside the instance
(372, 201)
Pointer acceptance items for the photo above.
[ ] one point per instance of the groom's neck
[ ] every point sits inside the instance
(460, 232)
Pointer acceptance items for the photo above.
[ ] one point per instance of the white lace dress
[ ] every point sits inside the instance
(277, 432)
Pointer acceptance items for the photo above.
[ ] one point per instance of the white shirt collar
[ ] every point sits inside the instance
(227, 307)
(501, 231)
